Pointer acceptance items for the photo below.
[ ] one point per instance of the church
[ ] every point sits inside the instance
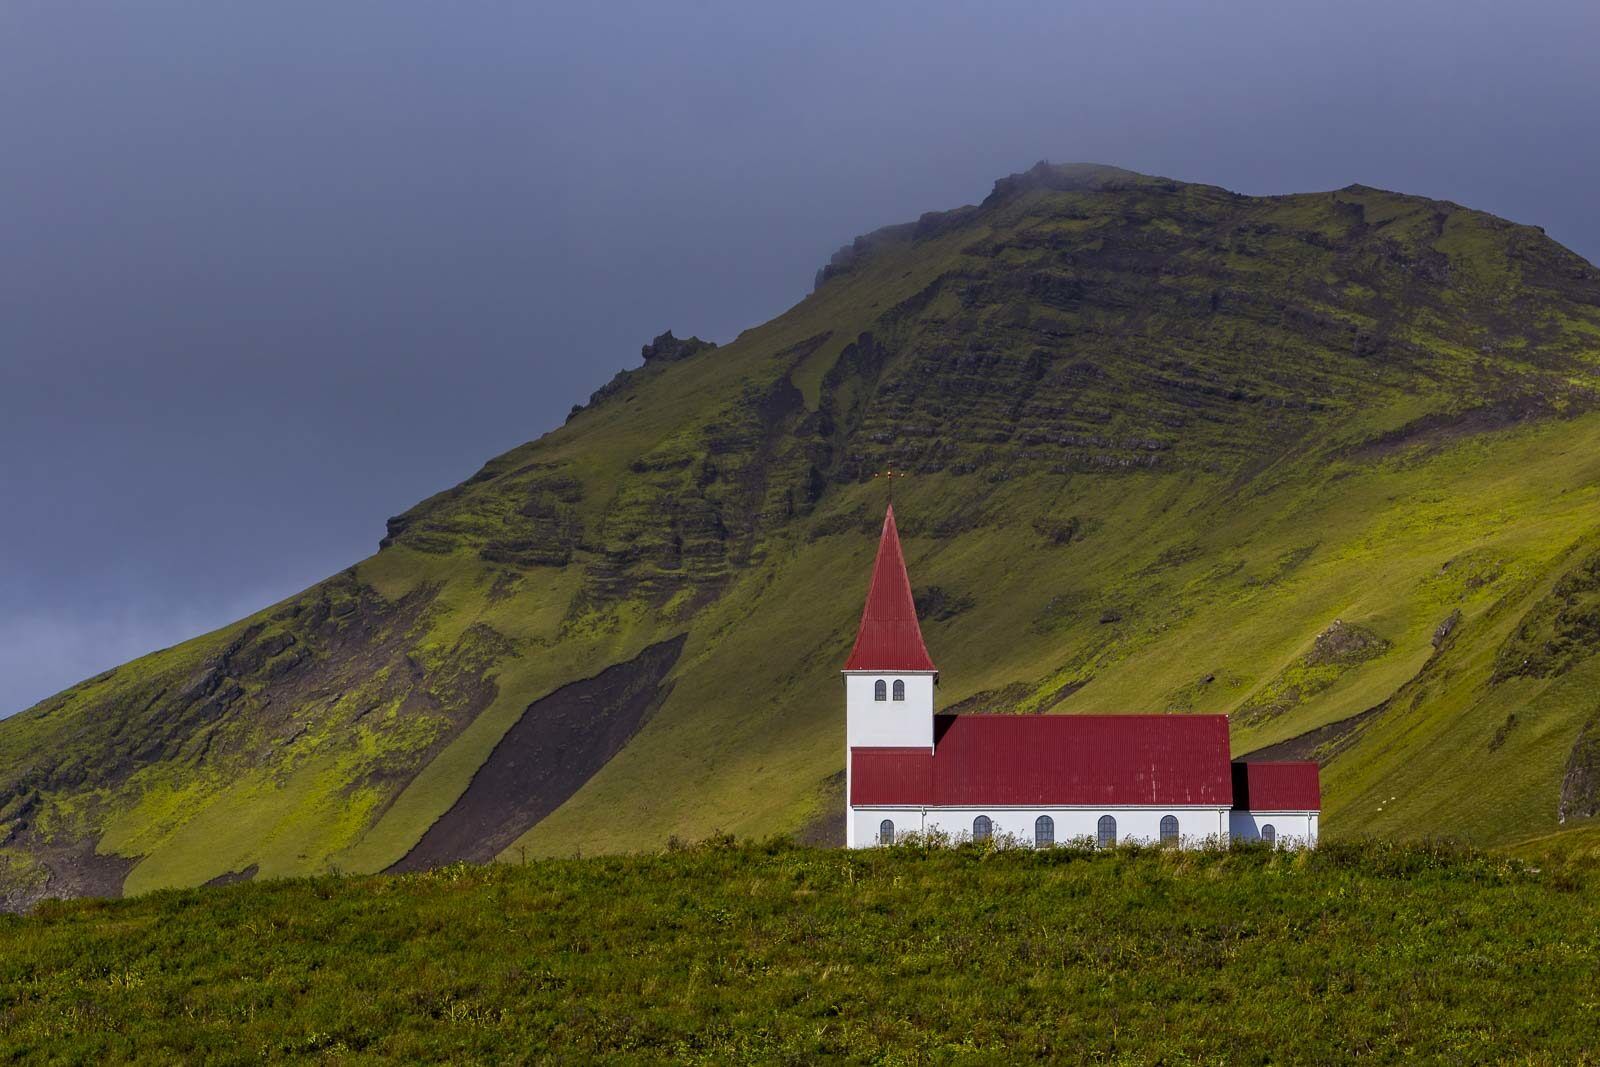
(1039, 779)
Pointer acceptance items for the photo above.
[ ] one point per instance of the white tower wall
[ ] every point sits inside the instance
(890, 723)
(873, 723)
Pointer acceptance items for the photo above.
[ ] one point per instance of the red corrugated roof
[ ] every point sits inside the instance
(889, 638)
(1109, 760)
(1289, 785)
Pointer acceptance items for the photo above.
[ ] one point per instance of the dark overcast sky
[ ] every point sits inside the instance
(273, 271)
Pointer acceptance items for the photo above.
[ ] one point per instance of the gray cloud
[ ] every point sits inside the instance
(272, 272)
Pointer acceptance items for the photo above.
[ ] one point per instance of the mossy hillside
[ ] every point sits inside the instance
(1160, 437)
(1200, 619)
(775, 953)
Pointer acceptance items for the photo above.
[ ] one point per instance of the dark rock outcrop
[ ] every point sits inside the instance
(669, 349)
(664, 349)
(1580, 785)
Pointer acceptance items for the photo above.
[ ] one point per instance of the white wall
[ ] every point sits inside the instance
(1195, 825)
(1294, 827)
(890, 723)
(873, 723)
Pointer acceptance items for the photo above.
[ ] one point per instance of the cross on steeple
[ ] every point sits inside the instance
(889, 476)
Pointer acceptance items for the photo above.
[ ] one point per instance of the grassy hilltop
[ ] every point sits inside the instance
(778, 954)
(1327, 462)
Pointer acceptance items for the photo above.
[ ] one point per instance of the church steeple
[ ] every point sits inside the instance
(889, 638)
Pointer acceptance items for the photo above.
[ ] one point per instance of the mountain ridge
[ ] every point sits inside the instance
(1132, 408)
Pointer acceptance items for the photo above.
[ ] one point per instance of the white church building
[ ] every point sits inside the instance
(1039, 779)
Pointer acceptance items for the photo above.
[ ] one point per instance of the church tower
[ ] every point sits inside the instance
(889, 677)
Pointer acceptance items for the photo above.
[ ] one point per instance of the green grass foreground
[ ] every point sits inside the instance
(777, 953)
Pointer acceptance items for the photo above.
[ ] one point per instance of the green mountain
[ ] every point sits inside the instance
(1327, 462)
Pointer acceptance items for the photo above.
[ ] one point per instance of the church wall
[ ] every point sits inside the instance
(1195, 825)
(904, 723)
(1293, 827)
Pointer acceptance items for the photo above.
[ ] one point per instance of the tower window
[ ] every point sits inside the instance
(1044, 832)
(1169, 829)
(1107, 836)
(880, 690)
(886, 828)
(1269, 834)
(899, 689)
(982, 828)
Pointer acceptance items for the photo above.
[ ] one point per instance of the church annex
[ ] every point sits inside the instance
(1038, 779)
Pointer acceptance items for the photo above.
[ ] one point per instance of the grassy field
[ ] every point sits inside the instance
(775, 953)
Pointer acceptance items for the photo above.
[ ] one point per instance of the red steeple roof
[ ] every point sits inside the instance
(889, 638)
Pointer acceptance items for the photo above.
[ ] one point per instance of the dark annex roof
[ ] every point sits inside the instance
(1109, 760)
(1289, 785)
(889, 638)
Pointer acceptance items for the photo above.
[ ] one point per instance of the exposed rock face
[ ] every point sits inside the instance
(1560, 632)
(1064, 177)
(930, 224)
(1446, 627)
(1337, 650)
(663, 350)
(1343, 643)
(669, 349)
(1580, 786)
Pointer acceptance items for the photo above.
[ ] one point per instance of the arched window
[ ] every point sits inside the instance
(1044, 832)
(982, 828)
(1269, 833)
(886, 832)
(1169, 829)
(899, 689)
(880, 690)
(1108, 831)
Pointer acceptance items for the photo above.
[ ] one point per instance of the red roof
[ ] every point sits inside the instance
(889, 638)
(1110, 760)
(1290, 785)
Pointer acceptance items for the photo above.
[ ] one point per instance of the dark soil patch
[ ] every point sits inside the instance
(90, 873)
(236, 876)
(559, 743)
(1063, 693)
(1001, 701)
(826, 828)
(74, 870)
(1323, 743)
(1004, 700)
(505, 586)
(1443, 428)
(936, 603)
